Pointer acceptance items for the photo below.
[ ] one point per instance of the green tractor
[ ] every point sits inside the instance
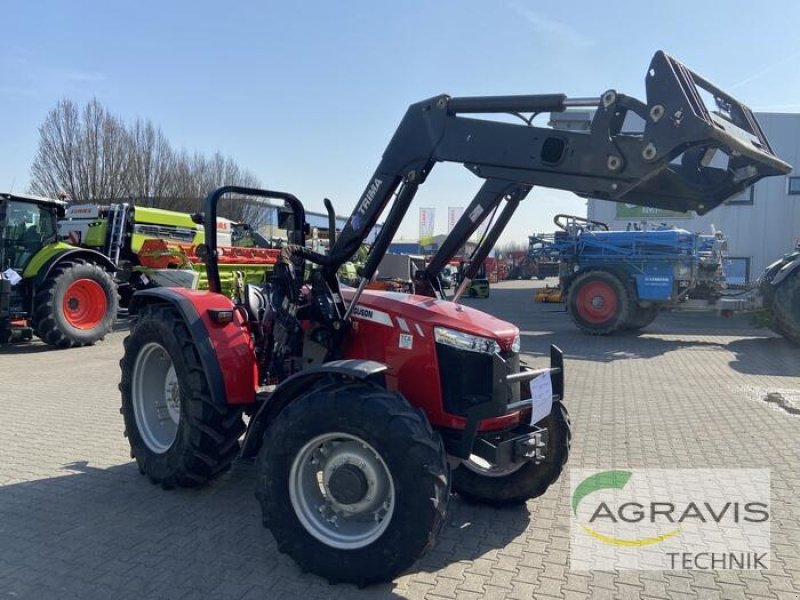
(479, 286)
(779, 287)
(64, 294)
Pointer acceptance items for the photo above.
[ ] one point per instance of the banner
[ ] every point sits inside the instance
(453, 215)
(632, 211)
(426, 218)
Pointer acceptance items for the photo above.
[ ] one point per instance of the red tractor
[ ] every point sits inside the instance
(366, 408)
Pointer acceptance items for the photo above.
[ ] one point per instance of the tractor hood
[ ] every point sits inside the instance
(431, 312)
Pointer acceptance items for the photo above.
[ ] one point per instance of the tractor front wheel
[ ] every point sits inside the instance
(478, 481)
(178, 435)
(76, 306)
(786, 308)
(353, 483)
(598, 302)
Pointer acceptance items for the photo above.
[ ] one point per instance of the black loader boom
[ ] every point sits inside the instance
(686, 157)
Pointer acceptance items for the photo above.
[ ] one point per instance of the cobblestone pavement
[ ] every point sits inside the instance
(78, 521)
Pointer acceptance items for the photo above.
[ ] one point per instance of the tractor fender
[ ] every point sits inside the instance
(786, 270)
(225, 349)
(77, 253)
(299, 384)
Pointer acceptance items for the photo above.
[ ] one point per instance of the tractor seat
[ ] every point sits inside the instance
(256, 302)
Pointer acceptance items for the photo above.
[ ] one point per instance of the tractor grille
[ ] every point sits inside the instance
(470, 379)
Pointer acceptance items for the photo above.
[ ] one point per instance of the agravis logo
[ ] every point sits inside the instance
(610, 480)
(670, 519)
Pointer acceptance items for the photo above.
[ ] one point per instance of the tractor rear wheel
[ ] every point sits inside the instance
(478, 481)
(598, 302)
(353, 483)
(641, 316)
(76, 305)
(178, 435)
(786, 308)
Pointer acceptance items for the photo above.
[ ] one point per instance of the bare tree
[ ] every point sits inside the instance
(83, 153)
(196, 175)
(55, 166)
(94, 156)
(151, 163)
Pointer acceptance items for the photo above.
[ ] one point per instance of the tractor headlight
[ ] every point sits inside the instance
(465, 341)
(515, 345)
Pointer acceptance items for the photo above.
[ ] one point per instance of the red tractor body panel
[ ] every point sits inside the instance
(232, 343)
(390, 327)
(398, 330)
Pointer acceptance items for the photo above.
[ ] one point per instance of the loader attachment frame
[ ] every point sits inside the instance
(686, 157)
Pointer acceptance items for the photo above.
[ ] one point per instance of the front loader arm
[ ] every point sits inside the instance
(683, 158)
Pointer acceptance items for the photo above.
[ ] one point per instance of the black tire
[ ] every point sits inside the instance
(641, 316)
(593, 319)
(410, 451)
(786, 308)
(207, 437)
(5, 332)
(125, 295)
(530, 480)
(50, 321)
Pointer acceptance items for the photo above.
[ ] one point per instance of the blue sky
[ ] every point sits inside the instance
(307, 94)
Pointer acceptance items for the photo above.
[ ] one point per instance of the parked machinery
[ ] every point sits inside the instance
(64, 294)
(365, 406)
(779, 290)
(621, 280)
(66, 269)
(153, 247)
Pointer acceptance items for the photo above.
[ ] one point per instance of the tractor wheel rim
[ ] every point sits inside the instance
(478, 465)
(156, 397)
(84, 304)
(596, 302)
(341, 491)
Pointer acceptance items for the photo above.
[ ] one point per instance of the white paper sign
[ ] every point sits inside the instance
(406, 341)
(12, 276)
(542, 397)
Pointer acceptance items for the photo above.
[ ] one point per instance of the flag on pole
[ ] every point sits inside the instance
(426, 218)
(453, 215)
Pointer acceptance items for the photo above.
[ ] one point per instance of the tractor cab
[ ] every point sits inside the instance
(27, 224)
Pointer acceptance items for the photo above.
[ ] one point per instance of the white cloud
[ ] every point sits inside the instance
(77, 76)
(23, 77)
(553, 31)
